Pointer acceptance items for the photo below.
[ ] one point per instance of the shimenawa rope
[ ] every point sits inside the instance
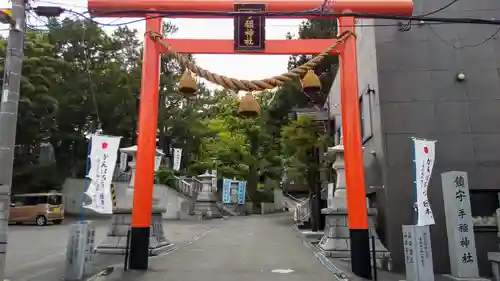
(249, 85)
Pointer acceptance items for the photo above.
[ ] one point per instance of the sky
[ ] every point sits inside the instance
(237, 66)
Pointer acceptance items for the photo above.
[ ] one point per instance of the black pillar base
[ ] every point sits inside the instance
(322, 220)
(360, 253)
(139, 248)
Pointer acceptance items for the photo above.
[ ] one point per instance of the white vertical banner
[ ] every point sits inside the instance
(424, 154)
(214, 180)
(158, 162)
(177, 158)
(103, 154)
(123, 161)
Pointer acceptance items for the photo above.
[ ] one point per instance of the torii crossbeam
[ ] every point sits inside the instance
(143, 193)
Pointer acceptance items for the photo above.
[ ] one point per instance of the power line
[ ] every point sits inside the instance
(422, 18)
(439, 10)
(89, 76)
(42, 28)
(59, 4)
(463, 46)
(305, 14)
(408, 25)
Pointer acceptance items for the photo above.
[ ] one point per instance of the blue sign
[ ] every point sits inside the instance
(242, 186)
(226, 191)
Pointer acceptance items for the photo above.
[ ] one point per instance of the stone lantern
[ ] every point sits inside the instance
(336, 241)
(206, 202)
(132, 151)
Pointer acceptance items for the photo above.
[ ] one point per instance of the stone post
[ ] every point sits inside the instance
(459, 226)
(131, 164)
(335, 241)
(418, 253)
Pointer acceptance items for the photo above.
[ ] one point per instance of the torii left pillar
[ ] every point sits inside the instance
(144, 179)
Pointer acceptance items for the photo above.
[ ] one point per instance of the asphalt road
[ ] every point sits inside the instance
(33, 251)
(263, 248)
(37, 253)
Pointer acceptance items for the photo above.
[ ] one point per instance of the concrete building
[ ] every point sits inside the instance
(408, 87)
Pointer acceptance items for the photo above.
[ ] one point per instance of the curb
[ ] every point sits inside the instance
(339, 274)
(172, 249)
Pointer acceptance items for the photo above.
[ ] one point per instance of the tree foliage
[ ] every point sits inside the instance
(298, 139)
(78, 79)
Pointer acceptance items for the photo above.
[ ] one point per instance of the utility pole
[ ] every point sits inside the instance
(8, 113)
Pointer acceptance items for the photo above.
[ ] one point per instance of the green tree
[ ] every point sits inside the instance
(99, 89)
(238, 147)
(291, 95)
(327, 69)
(225, 146)
(36, 112)
(298, 139)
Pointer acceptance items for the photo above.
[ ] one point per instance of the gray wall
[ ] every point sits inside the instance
(163, 197)
(419, 96)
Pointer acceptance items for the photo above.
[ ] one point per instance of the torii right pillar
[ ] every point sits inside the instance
(351, 132)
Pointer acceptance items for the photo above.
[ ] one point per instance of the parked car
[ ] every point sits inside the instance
(39, 208)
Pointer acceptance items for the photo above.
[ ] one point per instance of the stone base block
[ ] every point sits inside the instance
(313, 235)
(116, 241)
(466, 278)
(336, 241)
(207, 209)
(494, 257)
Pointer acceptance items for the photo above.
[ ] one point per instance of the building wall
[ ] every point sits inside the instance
(420, 96)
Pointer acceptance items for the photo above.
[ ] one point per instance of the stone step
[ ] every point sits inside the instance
(207, 208)
(225, 210)
(382, 263)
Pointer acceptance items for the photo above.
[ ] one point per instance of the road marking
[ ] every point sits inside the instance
(282, 270)
(189, 242)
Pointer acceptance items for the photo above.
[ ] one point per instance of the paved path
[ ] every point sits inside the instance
(38, 253)
(243, 249)
(33, 251)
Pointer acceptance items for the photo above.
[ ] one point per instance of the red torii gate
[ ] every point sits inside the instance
(143, 194)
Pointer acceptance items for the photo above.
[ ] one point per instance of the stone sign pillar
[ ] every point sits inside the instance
(459, 226)
(418, 253)
(206, 202)
(335, 241)
(79, 250)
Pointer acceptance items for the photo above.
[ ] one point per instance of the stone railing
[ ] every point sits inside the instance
(302, 211)
(189, 187)
(196, 187)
